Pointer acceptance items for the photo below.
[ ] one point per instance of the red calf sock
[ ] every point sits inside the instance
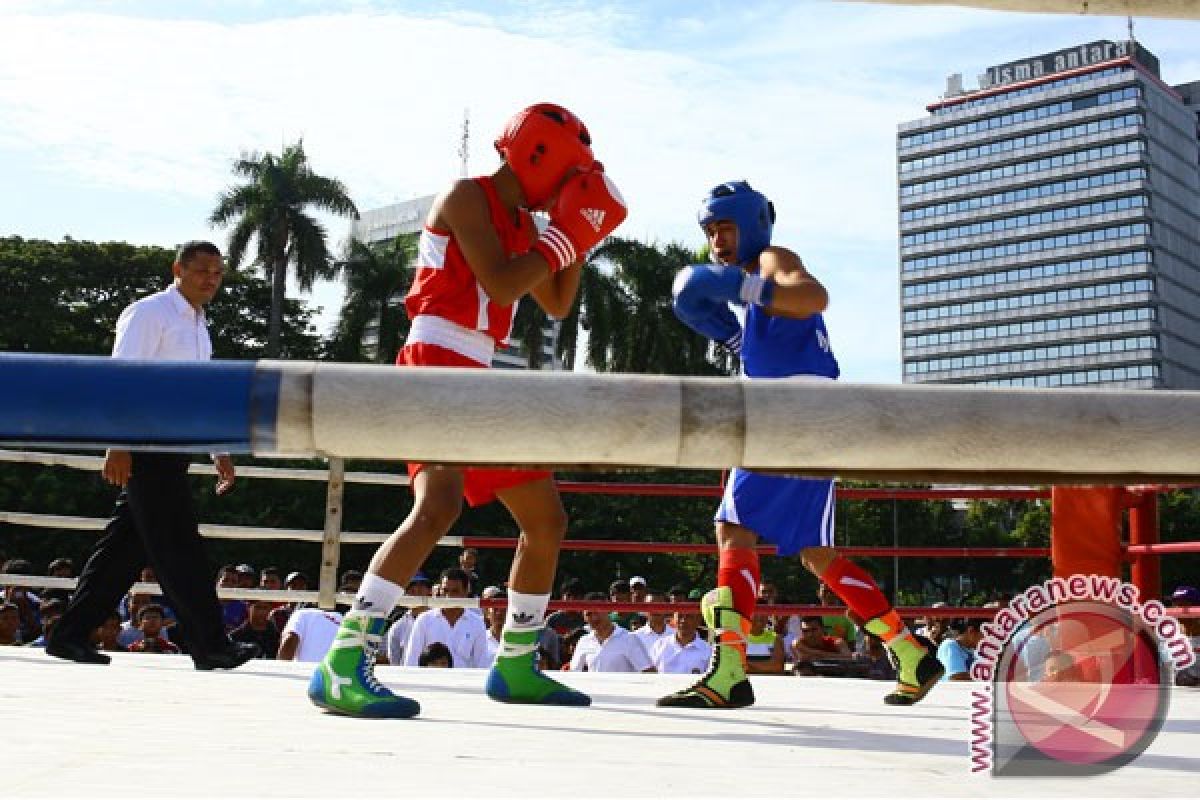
(737, 568)
(856, 588)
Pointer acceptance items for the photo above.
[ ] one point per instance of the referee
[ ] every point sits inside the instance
(155, 521)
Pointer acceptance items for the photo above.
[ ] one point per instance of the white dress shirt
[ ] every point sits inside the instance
(650, 638)
(397, 638)
(620, 652)
(315, 628)
(671, 656)
(163, 327)
(466, 638)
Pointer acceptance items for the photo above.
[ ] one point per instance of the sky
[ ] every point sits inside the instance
(120, 119)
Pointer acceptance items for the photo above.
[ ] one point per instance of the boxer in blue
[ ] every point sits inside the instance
(760, 301)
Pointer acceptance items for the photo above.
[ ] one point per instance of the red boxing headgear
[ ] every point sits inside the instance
(541, 144)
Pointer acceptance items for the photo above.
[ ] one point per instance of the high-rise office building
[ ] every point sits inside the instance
(386, 223)
(1050, 226)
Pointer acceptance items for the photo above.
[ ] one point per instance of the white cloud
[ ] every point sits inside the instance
(800, 98)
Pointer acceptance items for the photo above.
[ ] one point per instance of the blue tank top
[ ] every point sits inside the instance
(780, 347)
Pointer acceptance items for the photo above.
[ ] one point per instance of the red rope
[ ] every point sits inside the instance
(846, 493)
(620, 546)
(944, 612)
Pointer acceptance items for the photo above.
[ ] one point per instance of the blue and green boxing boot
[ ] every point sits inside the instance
(515, 677)
(344, 681)
(725, 685)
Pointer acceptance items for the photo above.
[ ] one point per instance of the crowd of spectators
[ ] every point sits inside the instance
(619, 641)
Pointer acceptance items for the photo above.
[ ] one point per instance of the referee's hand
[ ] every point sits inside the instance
(225, 473)
(117, 466)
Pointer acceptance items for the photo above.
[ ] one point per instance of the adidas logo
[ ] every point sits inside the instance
(594, 216)
(522, 618)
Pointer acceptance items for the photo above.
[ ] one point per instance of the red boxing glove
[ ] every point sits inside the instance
(588, 208)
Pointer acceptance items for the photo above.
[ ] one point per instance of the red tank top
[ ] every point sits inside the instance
(446, 287)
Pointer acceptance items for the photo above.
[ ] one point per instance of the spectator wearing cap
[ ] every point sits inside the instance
(247, 576)
(957, 651)
(683, 651)
(401, 629)
(656, 627)
(638, 591)
(1182, 597)
(608, 647)
(619, 592)
(566, 621)
(934, 629)
(60, 568)
(549, 642)
(270, 579)
(233, 612)
(258, 629)
(294, 582)
(463, 633)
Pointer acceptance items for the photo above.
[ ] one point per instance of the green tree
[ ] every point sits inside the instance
(271, 207)
(625, 308)
(377, 276)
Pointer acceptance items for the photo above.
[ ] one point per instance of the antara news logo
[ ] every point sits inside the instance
(1075, 678)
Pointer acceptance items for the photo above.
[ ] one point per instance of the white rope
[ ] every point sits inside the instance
(277, 596)
(210, 531)
(93, 464)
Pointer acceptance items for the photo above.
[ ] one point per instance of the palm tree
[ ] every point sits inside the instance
(376, 275)
(272, 207)
(625, 306)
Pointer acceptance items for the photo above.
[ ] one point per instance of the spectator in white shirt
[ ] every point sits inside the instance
(463, 633)
(683, 651)
(308, 634)
(398, 634)
(656, 626)
(608, 647)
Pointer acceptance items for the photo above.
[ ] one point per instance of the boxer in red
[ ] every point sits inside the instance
(479, 254)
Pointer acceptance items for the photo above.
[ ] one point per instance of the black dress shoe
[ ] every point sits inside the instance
(75, 651)
(230, 657)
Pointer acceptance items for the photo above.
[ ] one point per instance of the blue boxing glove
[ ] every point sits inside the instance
(723, 285)
(702, 295)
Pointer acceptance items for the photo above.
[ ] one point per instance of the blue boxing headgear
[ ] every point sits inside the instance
(746, 208)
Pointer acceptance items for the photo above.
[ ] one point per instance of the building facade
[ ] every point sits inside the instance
(1050, 226)
(386, 223)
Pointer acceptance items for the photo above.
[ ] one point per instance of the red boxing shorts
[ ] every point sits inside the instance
(479, 485)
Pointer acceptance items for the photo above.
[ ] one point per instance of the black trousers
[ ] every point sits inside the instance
(154, 523)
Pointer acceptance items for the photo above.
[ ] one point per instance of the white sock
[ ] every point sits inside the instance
(526, 610)
(377, 595)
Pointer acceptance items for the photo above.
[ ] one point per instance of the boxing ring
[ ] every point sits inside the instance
(154, 723)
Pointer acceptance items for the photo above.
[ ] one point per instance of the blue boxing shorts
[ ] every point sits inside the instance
(791, 513)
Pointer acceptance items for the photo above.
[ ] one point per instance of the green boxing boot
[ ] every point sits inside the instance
(917, 668)
(515, 677)
(725, 684)
(344, 681)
